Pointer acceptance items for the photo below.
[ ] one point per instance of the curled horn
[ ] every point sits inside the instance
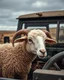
(49, 39)
(47, 33)
(23, 31)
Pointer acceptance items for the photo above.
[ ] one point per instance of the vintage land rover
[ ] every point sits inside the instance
(53, 21)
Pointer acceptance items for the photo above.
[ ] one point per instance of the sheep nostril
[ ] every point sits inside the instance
(42, 51)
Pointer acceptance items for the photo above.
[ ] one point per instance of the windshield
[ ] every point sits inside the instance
(39, 27)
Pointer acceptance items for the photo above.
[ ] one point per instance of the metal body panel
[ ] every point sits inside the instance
(48, 75)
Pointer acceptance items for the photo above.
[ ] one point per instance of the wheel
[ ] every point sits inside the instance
(53, 60)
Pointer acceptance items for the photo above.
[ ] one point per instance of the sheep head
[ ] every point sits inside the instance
(35, 40)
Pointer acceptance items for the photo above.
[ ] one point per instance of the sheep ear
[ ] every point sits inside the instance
(50, 41)
(24, 38)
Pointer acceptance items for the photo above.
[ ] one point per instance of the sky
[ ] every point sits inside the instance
(11, 9)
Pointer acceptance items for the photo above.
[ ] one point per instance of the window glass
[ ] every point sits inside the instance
(39, 27)
(61, 33)
(53, 29)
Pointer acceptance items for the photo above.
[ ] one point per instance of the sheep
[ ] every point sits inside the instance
(16, 57)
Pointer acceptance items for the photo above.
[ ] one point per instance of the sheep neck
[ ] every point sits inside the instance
(30, 55)
(23, 54)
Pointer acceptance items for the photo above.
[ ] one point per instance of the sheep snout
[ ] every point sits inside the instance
(42, 51)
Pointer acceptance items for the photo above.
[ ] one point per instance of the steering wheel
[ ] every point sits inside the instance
(52, 61)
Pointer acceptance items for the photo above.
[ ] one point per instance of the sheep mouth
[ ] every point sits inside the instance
(42, 56)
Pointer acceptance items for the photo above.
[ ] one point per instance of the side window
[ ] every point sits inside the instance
(61, 33)
(53, 29)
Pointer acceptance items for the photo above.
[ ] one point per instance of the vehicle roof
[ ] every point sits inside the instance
(42, 14)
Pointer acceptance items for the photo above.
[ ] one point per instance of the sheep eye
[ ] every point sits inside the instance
(30, 40)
